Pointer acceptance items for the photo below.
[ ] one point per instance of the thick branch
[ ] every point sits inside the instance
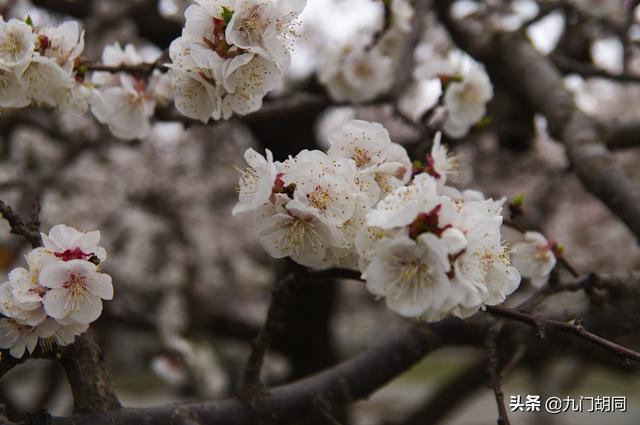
(620, 134)
(511, 58)
(453, 394)
(90, 383)
(352, 380)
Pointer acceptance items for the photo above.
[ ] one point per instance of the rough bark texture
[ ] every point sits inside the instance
(511, 58)
(90, 383)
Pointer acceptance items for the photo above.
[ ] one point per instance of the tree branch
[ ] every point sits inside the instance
(572, 66)
(20, 227)
(511, 58)
(542, 325)
(493, 369)
(620, 134)
(352, 380)
(90, 383)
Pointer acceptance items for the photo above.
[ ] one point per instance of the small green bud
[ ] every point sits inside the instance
(484, 122)
(226, 14)
(518, 200)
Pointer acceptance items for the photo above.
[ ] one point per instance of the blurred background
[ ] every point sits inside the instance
(192, 283)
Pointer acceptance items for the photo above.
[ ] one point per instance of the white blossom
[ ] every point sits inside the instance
(198, 89)
(75, 290)
(428, 249)
(264, 27)
(25, 285)
(257, 181)
(356, 74)
(465, 102)
(12, 95)
(66, 333)
(297, 233)
(44, 81)
(63, 44)
(250, 77)
(231, 54)
(410, 275)
(534, 258)
(17, 42)
(324, 187)
(126, 108)
(18, 337)
(466, 87)
(68, 243)
(421, 96)
(125, 102)
(31, 314)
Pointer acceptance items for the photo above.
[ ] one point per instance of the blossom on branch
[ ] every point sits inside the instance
(124, 101)
(427, 248)
(58, 295)
(454, 89)
(37, 64)
(231, 54)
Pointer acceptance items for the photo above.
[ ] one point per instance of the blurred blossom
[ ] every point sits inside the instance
(607, 53)
(546, 33)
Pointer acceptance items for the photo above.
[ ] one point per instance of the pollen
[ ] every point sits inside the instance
(361, 156)
(76, 288)
(319, 198)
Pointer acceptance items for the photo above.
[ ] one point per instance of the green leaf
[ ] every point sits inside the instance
(28, 21)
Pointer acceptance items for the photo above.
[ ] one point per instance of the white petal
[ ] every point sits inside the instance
(100, 284)
(56, 303)
(88, 311)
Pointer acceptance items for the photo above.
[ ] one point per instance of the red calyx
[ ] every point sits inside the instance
(427, 222)
(72, 254)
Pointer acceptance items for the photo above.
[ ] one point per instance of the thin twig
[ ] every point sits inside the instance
(572, 66)
(20, 227)
(493, 371)
(573, 328)
(141, 70)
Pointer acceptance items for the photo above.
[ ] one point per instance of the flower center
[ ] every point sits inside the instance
(361, 157)
(299, 230)
(252, 26)
(319, 198)
(76, 288)
(12, 45)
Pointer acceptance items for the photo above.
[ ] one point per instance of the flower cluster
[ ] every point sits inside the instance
(454, 88)
(36, 64)
(361, 72)
(427, 248)
(311, 206)
(124, 101)
(58, 295)
(231, 54)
